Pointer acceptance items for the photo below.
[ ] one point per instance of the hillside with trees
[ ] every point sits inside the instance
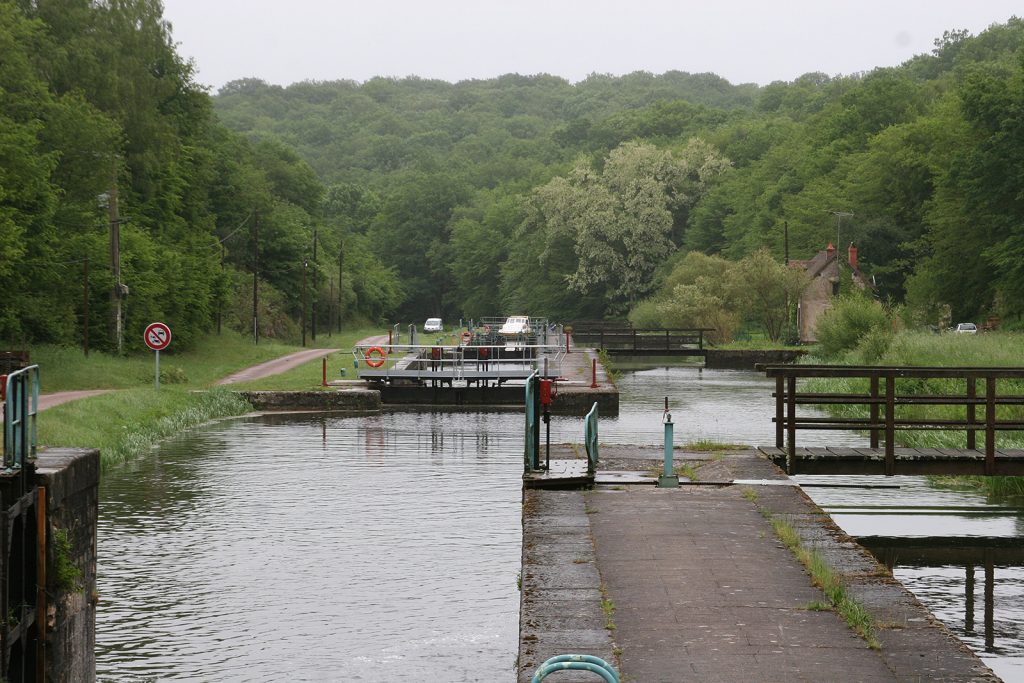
(399, 199)
(529, 193)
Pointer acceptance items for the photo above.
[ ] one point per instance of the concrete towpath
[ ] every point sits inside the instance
(692, 584)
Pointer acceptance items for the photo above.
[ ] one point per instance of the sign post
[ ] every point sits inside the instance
(157, 337)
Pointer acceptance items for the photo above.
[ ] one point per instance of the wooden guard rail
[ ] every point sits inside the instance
(884, 398)
(631, 339)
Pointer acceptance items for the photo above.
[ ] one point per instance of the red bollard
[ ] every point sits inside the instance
(324, 384)
(593, 373)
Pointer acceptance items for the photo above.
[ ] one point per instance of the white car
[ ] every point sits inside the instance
(966, 328)
(516, 324)
(433, 325)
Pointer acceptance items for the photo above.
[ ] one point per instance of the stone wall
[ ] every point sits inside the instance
(746, 359)
(71, 477)
(353, 400)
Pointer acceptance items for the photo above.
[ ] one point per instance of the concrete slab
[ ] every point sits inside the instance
(704, 591)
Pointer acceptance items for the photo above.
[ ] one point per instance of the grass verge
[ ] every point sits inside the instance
(216, 356)
(124, 424)
(822, 575)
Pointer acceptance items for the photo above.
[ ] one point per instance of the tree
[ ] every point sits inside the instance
(620, 220)
(766, 291)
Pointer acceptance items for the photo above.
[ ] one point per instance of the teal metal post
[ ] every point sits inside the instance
(668, 479)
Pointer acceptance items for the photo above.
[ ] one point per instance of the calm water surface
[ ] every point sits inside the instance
(387, 548)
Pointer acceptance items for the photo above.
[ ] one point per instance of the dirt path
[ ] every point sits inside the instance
(276, 366)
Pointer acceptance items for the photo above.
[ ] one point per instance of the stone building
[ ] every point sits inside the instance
(826, 271)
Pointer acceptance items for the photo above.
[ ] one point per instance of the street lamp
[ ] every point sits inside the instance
(839, 220)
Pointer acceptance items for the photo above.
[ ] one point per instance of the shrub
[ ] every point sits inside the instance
(851, 317)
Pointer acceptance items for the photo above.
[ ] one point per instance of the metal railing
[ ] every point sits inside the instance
(630, 339)
(892, 390)
(576, 663)
(21, 403)
(590, 439)
(460, 363)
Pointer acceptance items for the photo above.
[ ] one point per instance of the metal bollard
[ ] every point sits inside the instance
(668, 479)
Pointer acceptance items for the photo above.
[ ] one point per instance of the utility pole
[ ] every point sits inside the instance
(330, 311)
(220, 299)
(341, 259)
(303, 316)
(85, 306)
(116, 294)
(316, 288)
(256, 279)
(785, 229)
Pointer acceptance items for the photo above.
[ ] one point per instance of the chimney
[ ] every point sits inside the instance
(852, 255)
(830, 251)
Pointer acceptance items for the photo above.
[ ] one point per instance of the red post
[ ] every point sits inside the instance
(593, 373)
(3, 387)
(324, 384)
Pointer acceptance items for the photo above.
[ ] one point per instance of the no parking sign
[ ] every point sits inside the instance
(157, 337)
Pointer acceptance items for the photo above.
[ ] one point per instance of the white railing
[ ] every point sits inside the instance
(457, 362)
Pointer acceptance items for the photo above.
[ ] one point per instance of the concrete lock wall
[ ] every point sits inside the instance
(71, 477)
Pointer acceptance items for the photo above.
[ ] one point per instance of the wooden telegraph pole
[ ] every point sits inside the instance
(341, 259)
(316, 290)
(256, 279)
(85, 306)
(115, 263)
(304, 304)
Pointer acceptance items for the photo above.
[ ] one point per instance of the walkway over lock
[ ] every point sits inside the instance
(896, 398)
(643, 342)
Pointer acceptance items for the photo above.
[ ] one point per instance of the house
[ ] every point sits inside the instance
(825, 270)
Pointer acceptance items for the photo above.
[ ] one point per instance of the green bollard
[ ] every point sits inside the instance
(668, 479)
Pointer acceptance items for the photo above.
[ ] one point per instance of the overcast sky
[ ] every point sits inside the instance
(285, 41)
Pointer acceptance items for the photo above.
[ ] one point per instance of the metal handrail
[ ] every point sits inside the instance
(457, 362)
(576, 663)
(21, 403)
(590, 439)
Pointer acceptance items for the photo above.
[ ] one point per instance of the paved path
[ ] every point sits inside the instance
(276, 366)
(703, 590)
(271, 367)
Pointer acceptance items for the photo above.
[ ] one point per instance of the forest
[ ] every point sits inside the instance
(662, 198)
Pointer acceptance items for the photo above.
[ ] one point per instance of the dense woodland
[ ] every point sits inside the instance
(660, 197)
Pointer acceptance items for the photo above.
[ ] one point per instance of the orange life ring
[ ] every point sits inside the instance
(466, 337)
(375, 357)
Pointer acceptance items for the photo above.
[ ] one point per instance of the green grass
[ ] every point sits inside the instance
(128, 422)
(124, 424)
(65, 369)
(825, 578)
(919, 349)
(309, 376)
(708, 446)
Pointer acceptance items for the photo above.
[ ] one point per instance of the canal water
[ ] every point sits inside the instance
(387, 548)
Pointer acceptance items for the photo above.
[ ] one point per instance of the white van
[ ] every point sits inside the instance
(433, 325)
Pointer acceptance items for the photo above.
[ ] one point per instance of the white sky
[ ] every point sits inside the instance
(285, 41)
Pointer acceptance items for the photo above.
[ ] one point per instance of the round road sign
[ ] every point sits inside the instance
(157, 336)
